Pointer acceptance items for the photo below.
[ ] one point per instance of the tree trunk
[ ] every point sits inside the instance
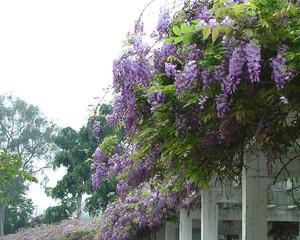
(2, 210)
(79, 200)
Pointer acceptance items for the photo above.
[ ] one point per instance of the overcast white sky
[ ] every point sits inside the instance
(58, 54)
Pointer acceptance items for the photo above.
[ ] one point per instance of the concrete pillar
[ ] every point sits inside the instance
(209, 215)
(185, 225)
(171, 231)
(254, 198)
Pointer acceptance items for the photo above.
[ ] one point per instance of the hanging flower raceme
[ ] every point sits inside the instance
(236, 64)
(96, 128)
(185, 80)
(281, 75)
(98, 168)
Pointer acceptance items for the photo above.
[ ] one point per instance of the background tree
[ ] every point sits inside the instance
(12, 188)
(18, 212)
(75, 147)
(76, 150)
(24, 131)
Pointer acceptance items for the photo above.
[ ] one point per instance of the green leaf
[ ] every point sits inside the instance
(178, 39)
(169, 40)
(187, 38)
(238, 9)
(206, 32)
(184, 28)
(176, 30)
(215, 33)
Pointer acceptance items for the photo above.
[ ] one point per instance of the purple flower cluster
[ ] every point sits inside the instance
(128, 73)
(217, 75)
(204, 14)
(66, 229)
(185, 80)
(253, 56)
(100, 171)
(236, 64)
(170, 69)
(156, 98)
(280, 74)
(164, 21)
(96, 129)
(161, 55)
(98, 168)
(142, 209)
(222, 104)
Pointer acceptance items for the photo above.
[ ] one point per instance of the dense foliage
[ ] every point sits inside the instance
(222, 78)
(26, 142)
(76, 152)
(18, 212)
(24, 130)
(15, 208)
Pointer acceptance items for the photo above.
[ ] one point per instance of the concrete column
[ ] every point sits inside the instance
(185, 225)
(254, 198)
(171, 231)
(209, 215)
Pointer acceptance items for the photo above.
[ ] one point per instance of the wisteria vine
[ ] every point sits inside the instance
(223, 75)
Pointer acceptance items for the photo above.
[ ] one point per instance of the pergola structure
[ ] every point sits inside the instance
(242, 210)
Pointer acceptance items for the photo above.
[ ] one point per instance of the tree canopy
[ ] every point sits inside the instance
(76, 152)
(24, 130)
(26, 145)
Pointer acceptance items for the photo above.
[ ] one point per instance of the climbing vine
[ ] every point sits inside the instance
(223, 76)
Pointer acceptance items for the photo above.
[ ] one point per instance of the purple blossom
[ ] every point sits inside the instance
(163, 22)
(170, 69)
(161, 55)
(213, 22)
(204, 14)
(98, 155)
(139, 27)
(185, 80)
(222, 104)
(96, 128)
(253, 56)
(195, 53)
(280, 73)
(227, 21)
(129, 73)
(154, 99)
(99, 173)
(190, 71)
(115, 166)
(216, 75)
(236, 64)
